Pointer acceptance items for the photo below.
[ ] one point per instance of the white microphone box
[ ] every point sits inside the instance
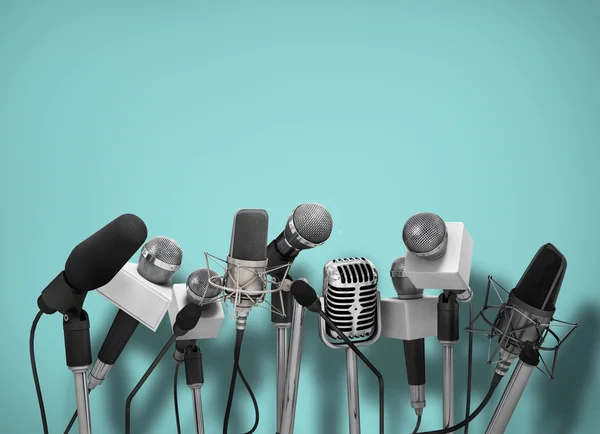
(143, 300)
(210, 322)
(451, 271)
(409, 319)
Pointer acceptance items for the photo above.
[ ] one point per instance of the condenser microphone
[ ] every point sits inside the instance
(351, 302)
(530, 306)
(306, 296)
(93, 263)
(245, 276)
(159, 259)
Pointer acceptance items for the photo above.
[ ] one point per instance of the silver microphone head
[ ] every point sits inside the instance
(402, 284)
(199, 290)
(161, 257)
(309, 225)
(350, 295)
(425, 235)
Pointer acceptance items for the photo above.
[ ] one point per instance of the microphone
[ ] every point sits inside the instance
(531, 305)
(414, 349)
(187, 318)
(306, 296)
(308, 226)
(439, 256)
(245, 276)
(93, 263)
(159, 259)
(203, 289)
(352, 303)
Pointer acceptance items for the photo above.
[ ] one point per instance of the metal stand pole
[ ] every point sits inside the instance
(353, 401)
(448, 336)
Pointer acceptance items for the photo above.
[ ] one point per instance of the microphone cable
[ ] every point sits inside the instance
(36, 379)
(239, 336)
(143, 380)
(494, 384)
(416, 430)
(175, 400)
(469, 369)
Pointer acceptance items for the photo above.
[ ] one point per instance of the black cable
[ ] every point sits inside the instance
(36, 380)
(254, 401)
(495, 381)
(366, 362)
(416, 430)
(239, 336)
(140, 383)
(175, 399)
(469, 369)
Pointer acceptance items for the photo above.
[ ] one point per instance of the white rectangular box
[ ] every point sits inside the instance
(143, 300)
(451, 271)
(409, 319)
(210, 322)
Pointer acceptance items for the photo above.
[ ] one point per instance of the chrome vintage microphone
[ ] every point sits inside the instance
(442, 258)
(308, 226)
(351, 301)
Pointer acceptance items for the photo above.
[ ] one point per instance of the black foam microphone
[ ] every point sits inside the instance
(93, 263)
(530, 306)
(306, 296)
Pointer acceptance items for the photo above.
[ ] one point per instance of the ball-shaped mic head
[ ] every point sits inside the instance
(425, 235)
(160, 258)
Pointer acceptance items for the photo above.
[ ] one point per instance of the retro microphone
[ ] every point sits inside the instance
(306, 296)
(93, 263)
(351, 302)
(245, 283)
(308, 226)
(522, 325)
(439, 257)
(197, 290)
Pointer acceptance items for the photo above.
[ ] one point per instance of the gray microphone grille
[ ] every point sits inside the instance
(313, 222)
(160, 258)
(425, 235)
(198, 288)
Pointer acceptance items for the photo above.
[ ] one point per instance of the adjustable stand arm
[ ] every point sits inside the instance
(78, 350)
(448, 333)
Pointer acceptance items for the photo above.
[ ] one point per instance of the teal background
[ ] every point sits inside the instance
(183, 112)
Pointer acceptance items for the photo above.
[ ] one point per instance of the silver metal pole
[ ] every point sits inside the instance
(197, 403)
(293, 371)
(448, 383)
(82, 399)
(282, 355)
(510, 398)
(353, 402)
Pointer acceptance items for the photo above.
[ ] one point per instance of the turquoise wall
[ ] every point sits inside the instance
(183, 112)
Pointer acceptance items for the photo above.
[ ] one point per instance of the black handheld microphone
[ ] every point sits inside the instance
(306, 296)
(187, 318)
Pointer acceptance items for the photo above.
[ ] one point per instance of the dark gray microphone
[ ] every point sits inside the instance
(245, 276)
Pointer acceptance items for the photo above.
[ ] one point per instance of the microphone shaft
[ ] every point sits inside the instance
(353, 400)
(197, 403)
(510, 398)
(82, 399)
(292, 375)
(448, 384)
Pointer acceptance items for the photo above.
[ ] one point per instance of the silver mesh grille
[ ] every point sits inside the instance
(313, 222)
(350, 295)
(165, 250)
(198, 286)
(425, 234)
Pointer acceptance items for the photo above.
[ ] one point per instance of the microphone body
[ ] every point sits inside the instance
(245, 276)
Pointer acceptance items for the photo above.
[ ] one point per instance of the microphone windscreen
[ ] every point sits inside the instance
(540, 284)
(199, 290)
(249, 235)
(303, 293)
(188, 317)
(96, 260)
(313, 222)
(425, 235)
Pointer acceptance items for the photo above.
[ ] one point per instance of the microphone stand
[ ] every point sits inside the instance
(76, 327)
(528, 361)
(448, 336)
(194, 377)
(292, 376)
(353, 400)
